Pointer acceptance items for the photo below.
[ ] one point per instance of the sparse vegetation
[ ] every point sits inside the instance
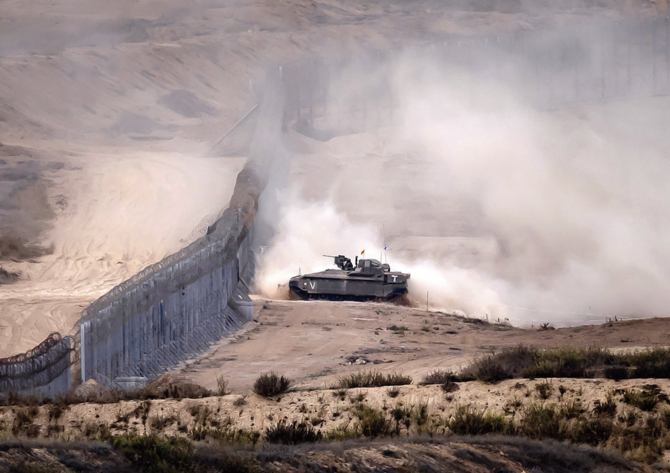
(644, 400)
(438, 377)
(23, 422)
(398, 328)
(372, 422)
(393, 392)
(340, 393)
(292, 434)
(271, 384)
(372, 379)
(544, 390)
(164, 387)
(222, 385)
(568, 362)
(606, 407)
(471, 421)
(154, 454)
(617, 373)
(158, 424)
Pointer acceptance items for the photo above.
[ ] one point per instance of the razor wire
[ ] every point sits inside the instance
(37, 367)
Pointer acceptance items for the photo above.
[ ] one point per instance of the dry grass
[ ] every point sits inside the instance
(568, 362)
(292, 434)
(372, 379)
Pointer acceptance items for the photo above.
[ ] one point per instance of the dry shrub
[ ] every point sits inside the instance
(606, 407)
(471, 421)
(617, 372)
(222, 385)
(159, 423)
(142, 411)
(568, 362)
(571, 409)
(153, 454)
(488, 370)
(340, 393)
(644, 400)
(340, 434)
(271, 384)
(23, 422)
(393, 392)
(372, 379)
(541, 421)
(544, 390)
(372, 422)
(592, 431)
(169, 386)
(234, 436)
(13, 398)
(450, 386)
(240, 401)
(292, 434)
(508, 363)
(438, 377)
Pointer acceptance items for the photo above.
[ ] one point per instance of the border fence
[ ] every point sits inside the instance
(176, 308)
(43, 371)
(180, 306)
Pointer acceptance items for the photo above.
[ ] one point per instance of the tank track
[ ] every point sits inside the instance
(302, 295)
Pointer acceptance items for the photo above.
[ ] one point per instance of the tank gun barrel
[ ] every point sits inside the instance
(341, 262)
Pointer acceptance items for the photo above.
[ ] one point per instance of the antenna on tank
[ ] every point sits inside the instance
(385, 247)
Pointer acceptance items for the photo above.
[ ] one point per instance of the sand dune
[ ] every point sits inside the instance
(119, 214)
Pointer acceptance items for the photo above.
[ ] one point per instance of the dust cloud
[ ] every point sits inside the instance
(569, 204)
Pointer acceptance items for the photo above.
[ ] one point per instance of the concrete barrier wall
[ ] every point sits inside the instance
(172, 310)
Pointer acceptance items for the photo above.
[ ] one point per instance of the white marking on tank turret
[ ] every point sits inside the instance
(394, 277)
(312, 285)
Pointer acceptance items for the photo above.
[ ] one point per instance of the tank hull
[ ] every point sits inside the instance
(342, 285)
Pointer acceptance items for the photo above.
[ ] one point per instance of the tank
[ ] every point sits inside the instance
(366, 280)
